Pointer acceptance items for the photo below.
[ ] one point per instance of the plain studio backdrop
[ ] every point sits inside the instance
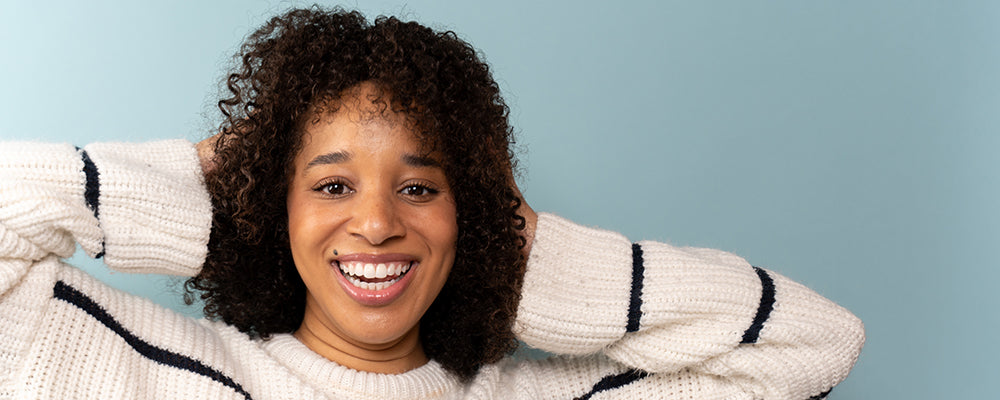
(850, 145)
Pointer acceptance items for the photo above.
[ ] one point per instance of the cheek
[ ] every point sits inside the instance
(446, 230)
(437, 227)
(296, 219)
(305, 223)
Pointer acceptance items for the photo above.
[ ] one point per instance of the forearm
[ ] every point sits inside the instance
(585, 289)
(141, 206)
(153, 208)
(662, 309)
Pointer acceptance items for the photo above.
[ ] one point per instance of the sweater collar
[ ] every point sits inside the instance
(429, 381)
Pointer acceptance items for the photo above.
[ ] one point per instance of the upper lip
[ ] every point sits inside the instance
(375, 258)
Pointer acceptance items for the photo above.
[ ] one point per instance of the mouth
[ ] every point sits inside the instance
(374, 276)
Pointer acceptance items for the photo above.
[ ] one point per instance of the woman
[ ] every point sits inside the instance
(355, 232)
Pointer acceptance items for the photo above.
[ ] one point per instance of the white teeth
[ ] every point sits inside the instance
(374, 271)
(371, 285)
(355, 271)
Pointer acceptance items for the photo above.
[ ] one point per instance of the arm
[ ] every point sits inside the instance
(142, 207)
(663, 310)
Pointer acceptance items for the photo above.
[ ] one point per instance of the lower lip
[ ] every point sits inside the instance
(375, 298)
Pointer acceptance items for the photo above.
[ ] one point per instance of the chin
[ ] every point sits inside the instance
(381, 328)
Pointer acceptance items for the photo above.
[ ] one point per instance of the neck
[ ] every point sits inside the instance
(394, 357)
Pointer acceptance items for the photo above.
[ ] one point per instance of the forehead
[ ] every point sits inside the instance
(362, 110)
(361, 123)
(347, 128)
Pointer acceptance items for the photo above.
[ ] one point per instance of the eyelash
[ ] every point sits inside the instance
(322, 187)
(428, 190)
(325, 188)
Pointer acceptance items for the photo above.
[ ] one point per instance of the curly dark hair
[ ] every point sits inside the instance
(307, 58)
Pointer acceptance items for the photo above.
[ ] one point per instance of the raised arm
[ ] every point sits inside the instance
(690, 312)
(142, 207)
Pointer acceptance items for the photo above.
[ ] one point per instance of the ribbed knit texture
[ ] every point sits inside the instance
(639, 320)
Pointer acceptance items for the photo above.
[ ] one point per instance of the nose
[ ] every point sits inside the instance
(376, 219)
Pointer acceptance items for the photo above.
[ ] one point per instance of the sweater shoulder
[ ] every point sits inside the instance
(95, 338)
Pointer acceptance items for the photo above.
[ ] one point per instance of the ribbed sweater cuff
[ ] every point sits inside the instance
(576, 288)
(152, 206)
(649, 305)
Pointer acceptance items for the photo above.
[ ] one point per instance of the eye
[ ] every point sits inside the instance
(334, 188)
(418, 192)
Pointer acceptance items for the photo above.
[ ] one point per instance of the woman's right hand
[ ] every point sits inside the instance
(206, 153)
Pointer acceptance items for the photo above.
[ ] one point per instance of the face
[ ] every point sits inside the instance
(372, 226)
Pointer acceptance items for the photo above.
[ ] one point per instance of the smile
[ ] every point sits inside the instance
(373, 276)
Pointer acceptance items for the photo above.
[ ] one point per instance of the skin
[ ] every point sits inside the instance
(380, 193)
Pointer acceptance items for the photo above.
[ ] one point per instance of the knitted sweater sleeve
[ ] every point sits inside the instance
(142, 207)
(660, 309)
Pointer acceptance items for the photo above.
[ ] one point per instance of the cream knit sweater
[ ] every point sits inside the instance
(631, 320)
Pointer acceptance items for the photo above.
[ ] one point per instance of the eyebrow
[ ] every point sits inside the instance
(336, 157)
(420, 161)
(339, 157)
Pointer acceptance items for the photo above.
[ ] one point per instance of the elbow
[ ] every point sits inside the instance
(852, 340)
(835, 348)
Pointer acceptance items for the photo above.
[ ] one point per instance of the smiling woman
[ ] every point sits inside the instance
(327, 105)
(361, 186)
(356, 232)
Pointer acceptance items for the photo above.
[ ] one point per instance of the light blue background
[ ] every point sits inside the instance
(850, 145)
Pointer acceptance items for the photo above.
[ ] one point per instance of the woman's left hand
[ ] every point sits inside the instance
(530, 221)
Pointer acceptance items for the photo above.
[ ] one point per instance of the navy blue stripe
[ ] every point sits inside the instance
(763, 310)
(614, 382)
(92, 190)
(821, 395)
(635, 297)
(93, 187)
(72, 296)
